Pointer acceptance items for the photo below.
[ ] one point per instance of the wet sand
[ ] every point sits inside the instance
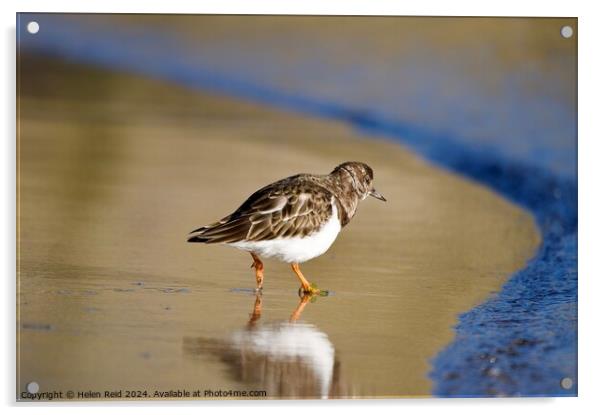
(115, 170)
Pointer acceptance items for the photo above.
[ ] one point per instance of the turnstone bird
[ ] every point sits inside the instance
(294, 219)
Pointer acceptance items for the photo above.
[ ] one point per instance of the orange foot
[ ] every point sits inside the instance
(306, 287)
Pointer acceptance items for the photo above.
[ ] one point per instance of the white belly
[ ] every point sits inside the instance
(296, 249)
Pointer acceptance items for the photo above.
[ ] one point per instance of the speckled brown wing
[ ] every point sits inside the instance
(288, 208)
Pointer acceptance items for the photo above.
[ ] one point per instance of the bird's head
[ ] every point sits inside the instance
(359, 177)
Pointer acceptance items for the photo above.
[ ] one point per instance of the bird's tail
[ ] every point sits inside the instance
(217, 232)
(197, 234)
(197, 238)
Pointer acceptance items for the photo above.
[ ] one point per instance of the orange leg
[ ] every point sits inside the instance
(258, 265)
(305, 285)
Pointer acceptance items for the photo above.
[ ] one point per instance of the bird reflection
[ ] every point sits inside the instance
(286, 358)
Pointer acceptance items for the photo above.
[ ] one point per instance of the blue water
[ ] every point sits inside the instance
(521, 341)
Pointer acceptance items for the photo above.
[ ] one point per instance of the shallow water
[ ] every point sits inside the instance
(111, 297)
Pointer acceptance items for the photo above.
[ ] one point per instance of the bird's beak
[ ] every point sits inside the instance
(377, 195)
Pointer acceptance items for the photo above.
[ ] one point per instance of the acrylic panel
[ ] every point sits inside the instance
(138, 134)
